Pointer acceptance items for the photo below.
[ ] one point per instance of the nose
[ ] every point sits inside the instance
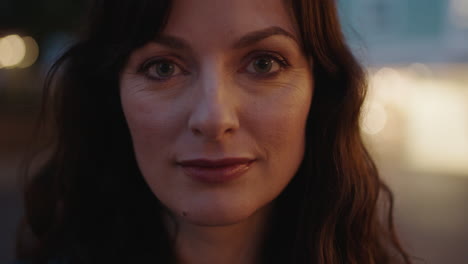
(213, 115)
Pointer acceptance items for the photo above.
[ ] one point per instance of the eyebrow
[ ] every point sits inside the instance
(245, 41)
(256, 36)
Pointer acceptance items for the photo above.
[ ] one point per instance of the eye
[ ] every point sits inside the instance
(160, 69)
(266, 64)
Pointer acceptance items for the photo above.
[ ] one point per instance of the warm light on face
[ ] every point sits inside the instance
(217, 85)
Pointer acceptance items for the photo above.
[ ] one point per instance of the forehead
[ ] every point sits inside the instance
(219, 22)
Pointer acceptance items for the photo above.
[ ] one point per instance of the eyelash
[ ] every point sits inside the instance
(282, 62)
(145, 67)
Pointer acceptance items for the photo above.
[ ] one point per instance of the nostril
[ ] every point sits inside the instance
(213, 122)
(212, 134)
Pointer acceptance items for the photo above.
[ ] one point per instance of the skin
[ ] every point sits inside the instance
(216, 104)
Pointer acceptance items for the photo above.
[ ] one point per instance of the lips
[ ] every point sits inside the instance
(216, 171)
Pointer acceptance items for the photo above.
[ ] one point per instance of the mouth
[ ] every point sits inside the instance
(216, 171)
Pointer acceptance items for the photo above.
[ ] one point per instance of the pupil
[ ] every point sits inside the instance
(263, 65)
(165, 69)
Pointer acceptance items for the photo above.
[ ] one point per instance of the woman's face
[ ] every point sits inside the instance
(217, 107)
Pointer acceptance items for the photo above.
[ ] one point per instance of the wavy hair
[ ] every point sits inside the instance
(89, 203)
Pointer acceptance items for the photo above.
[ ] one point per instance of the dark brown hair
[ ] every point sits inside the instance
(90, 204)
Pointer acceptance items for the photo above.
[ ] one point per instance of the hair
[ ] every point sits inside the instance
(89, 203)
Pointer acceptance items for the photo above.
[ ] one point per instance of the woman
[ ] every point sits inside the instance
(210, 131)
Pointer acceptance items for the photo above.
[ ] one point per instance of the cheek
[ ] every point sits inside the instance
(150, 115)
(282, 119)
(140, 118)
(148, 121)
(277, 124)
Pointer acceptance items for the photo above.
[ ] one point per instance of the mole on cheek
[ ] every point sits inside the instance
(184, 213)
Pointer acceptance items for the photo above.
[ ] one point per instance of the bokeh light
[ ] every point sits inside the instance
(12, 51)
(374, 118)
(459, 10)
(32, 52)
(433, 133)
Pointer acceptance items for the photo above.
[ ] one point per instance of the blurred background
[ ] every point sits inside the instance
(415, 121)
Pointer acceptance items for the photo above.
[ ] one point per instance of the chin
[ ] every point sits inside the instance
(219, 220)
(216, 215)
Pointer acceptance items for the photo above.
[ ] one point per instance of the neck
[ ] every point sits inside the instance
(235, 243)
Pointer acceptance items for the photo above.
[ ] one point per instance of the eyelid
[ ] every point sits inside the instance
(151, 61)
